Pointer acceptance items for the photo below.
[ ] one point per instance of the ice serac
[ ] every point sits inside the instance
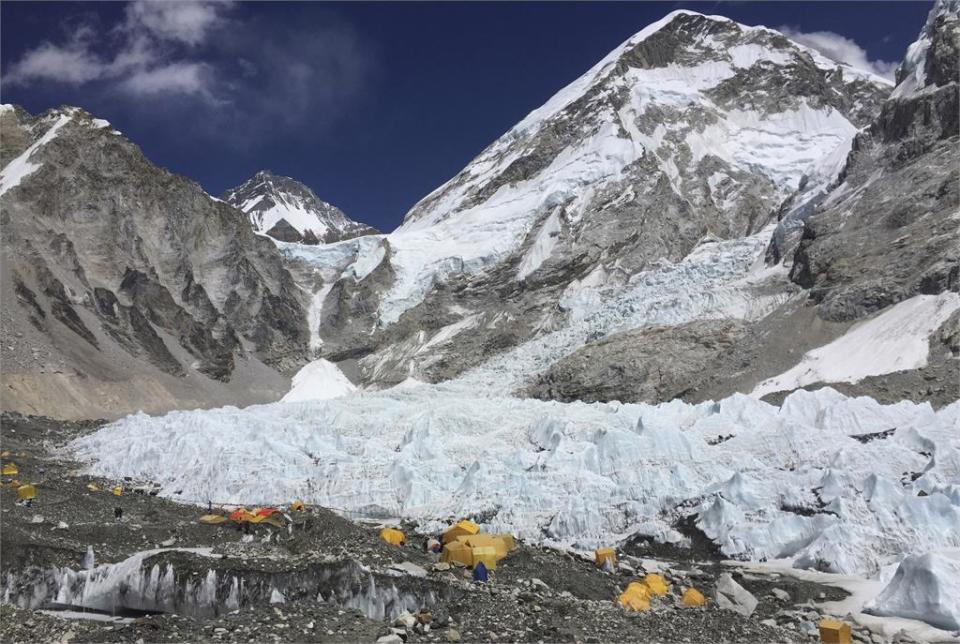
(890, 230)
(695, 130)
(126, 287)
(924, 587)
(827, 481)
(285, 209)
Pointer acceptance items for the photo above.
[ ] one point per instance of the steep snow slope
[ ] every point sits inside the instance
(319, 380)
(719, 280)
(269, 200)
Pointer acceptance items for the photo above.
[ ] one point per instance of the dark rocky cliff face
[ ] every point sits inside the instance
(131, 258)
(889, 230)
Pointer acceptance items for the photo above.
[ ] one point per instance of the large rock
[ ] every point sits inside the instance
(732, 596)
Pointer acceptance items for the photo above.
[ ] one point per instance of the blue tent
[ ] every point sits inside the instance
(480, 573)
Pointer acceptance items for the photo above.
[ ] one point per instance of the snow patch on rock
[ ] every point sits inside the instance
(897, 339)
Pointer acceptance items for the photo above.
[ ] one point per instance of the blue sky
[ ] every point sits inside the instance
(372, 105)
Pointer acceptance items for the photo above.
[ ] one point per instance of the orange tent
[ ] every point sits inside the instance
(241, 515)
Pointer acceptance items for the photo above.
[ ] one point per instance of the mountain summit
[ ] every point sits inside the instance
(289, 211)
(695, 130)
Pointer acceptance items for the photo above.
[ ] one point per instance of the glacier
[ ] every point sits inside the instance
(834, 483)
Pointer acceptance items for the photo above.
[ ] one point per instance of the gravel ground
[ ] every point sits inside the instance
(536, 594)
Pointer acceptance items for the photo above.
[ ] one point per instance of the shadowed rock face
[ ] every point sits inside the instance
(283, 231)
(103, 249)
(889, 230)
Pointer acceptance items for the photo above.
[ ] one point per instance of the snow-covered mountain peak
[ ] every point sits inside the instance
(694, 126)
(288, 210)
(686, 71)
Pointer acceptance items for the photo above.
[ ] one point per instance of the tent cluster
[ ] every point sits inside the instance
(25, 493)
(639, 594)
(271, 516)
(462, 544)
(466, 545)
(243, 517)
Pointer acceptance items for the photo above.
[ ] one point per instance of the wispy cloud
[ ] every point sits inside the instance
(139, 58)
(204, 54)
(177, 20)
(841, 49)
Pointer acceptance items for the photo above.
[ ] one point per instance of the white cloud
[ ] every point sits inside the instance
(61, 64)
(181, 78)
(841, 49)
(176, 20)
(240, 67)
(142, 63)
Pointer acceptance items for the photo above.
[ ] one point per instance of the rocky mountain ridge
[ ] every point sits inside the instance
(129, 287)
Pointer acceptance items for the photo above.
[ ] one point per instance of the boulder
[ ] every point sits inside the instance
(733, 596)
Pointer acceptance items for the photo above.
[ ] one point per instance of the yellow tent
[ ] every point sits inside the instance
(297, 506)
(457, 552)
(270, 519)
(656, 584)
(833, 631)
(636, 597)
(117, 491)
(26, 492)
(393, 536)
(10, 469)
(602, 555)
(692, 598)
(484, 540)
(508, 540)
(212, 519)
(461, 528)
(486, 554)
